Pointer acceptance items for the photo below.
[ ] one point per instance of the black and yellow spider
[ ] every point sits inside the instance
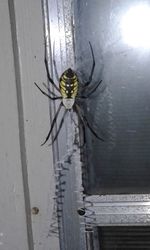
(70, 92)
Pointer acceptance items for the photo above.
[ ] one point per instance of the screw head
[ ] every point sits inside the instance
(35, 210)
(81, 211)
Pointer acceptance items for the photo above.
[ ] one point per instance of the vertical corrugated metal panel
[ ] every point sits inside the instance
(67, 156)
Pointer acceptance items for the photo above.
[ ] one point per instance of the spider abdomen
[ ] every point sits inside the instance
(69, 84)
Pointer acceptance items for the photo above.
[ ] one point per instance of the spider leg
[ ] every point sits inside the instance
(93, 67)
(48, 74)
(83, 142)
(85, 122)
(49, 91)
(44, 93)
(54, 62)
(92, 91)
(60, 126)
(53, 123)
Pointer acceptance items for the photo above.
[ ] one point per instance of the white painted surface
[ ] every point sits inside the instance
(36, 119)
(13, 233)
(21, 133)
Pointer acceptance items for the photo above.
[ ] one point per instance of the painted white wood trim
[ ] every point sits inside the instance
(13, 232)
(30, 39)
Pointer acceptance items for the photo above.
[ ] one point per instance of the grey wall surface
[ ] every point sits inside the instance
(26, 178)
(12, 208)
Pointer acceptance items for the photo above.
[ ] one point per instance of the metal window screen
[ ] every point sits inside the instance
(120, 109)
(124, 238)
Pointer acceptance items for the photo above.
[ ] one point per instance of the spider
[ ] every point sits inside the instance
(69, 95)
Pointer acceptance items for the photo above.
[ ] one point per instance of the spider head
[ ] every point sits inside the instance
(69, 73)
